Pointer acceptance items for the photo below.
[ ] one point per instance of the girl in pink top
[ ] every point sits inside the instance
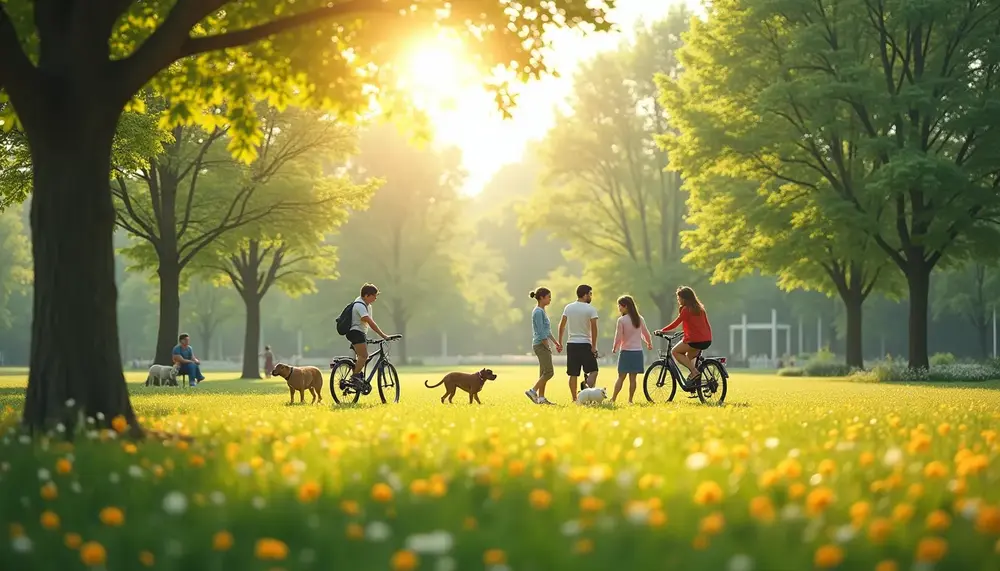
(629, 337)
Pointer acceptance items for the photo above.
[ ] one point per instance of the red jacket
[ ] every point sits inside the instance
(696, 327)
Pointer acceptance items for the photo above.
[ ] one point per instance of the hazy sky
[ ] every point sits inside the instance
(471, 120)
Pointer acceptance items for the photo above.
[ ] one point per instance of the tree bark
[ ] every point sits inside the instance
(983, 333)
(251, 335)
(853, 303)
(667, 308)
(170, 311)
(75, 361)
(918, 278)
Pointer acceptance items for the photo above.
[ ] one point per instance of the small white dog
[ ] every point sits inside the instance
(592, 395)
(162, 375)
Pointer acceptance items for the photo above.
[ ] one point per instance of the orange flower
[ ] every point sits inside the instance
(515, 468)
(887, 565)
(147, 559)
(112, 516)
(828, 556)
(405, 560)
(222, 541)
(63, 466)
(495, 557)
(197, 461)
(931, 549)
(355, 531)
(270, 549)
(546, 456)
(712, 524)
(591, 504)
(767, 479)
(656, 518)
(938, 520)
(583, 546)
(762, 509)
(49, 491)
(902, 513)
(350, 507)
(381, 493)
(16, 530)
(700, 542)
(708, 493)
(790, 468)
(50, 520)
(818, 500)
(540, 499)
(866, 459)
(879, 530)
(72, 540)
(988, 520)
(860, 512)
(419, 487)
(93, 554)
(309, 492)
(827, 467)
(119, 424)
(935, 470)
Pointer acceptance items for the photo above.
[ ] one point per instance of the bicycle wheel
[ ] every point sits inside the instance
(388, 383)
(655, 383)
(712, 384)
(342, 373)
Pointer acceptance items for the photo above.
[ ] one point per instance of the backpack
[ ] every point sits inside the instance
(345, 319)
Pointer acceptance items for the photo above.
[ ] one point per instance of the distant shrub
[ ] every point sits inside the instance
(898, 372)
(791, 372)
(942, 359)
(823, 363)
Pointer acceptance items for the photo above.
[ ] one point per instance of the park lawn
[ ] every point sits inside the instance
(792, 474)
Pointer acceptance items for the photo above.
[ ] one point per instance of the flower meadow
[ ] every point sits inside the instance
(792, 474)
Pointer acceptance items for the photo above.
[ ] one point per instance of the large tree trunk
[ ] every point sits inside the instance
(251, 337)
(170, 312)
(75, 358)
(667, 306)
(853, 306)
(918, 279)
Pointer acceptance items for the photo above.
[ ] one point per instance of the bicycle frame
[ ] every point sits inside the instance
(671, 364)
(378, 354)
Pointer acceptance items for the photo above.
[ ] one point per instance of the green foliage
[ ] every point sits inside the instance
(15, 261)
(823, 363)
(206, 307)
(938, 359)
(606, 192)
(896, 372)
(309, 52)
(971, 290)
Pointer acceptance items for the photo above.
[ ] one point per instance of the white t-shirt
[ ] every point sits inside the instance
(578, 315)
(360, 310)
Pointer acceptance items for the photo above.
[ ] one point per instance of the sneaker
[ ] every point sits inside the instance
(544, 400)
(532, 394)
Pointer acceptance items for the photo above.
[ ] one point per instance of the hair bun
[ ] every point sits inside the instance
(532, 294)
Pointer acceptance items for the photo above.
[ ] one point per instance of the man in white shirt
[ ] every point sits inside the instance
(580, 318)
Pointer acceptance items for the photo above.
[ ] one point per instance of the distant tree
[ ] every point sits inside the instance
(15, 260)
(404, 241)
(972, 291)
(70, 67)
(180, 202)
(606, 192)
(207, 307)
(884, 109)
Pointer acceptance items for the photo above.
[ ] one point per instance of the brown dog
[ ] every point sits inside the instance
(301, 379)
(471, 383)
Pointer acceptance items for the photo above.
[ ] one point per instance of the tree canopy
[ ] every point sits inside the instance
(882, 109)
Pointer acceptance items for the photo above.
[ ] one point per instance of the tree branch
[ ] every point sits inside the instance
(121, 192)
(193, 46)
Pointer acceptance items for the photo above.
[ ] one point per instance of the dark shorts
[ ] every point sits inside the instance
(700, 345)
(356, 337)
(580, 356)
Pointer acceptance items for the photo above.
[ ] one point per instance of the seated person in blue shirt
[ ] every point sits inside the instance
(185, 359)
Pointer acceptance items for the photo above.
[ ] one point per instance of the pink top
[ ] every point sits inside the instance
(629, 337)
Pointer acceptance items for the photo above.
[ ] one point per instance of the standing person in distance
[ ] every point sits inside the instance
(630, 335)
(580, 318)
(697, 331)
(541, 343)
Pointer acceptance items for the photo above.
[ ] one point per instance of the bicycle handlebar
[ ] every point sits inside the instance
(670, 336)
(386, 340)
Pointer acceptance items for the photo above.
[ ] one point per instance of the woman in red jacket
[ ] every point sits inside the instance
(697, 331)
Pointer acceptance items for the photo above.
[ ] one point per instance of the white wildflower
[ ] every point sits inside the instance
(44, 475)
(378, 531)
(892, 457)
(175, 503)
(570, 528)
(637, 443)
(434, 543)
(21, 544)
(217, 498)
(740, 562)
(445, 564)
(696, 461)
(135, 471)
(771, 442)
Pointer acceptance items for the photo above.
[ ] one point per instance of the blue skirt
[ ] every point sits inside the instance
(630, 362)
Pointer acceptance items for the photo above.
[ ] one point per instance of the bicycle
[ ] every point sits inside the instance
(342, 375)
(712, 382)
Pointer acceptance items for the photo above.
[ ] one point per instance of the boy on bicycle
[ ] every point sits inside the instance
(361, 320)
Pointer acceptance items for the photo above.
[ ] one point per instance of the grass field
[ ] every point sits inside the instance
(792, 474)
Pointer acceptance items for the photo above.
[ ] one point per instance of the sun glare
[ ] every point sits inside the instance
(436, 71)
